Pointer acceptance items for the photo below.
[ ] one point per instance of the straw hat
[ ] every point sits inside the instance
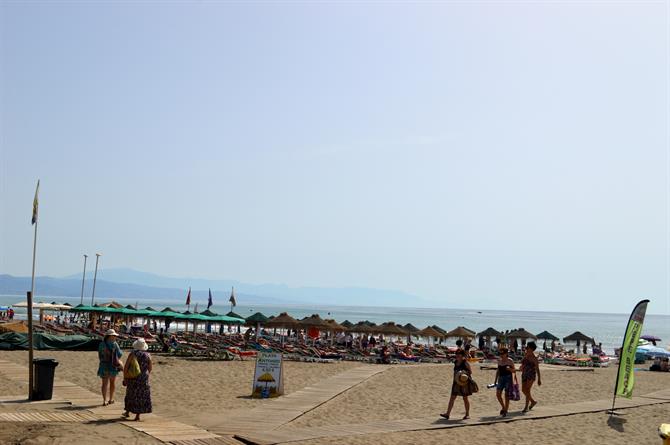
(110, 332)
(461, 378)
(140, 345)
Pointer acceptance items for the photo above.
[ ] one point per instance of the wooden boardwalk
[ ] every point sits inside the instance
(90, 410)
(277, 412)
(279, 436)
(263, 425)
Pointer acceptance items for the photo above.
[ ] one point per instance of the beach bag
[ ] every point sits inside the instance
(513, 392)
(133, 370)
(473, 386)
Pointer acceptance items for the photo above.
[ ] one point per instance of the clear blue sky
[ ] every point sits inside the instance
(508, 155)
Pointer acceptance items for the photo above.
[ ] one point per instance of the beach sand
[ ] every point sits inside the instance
(205, 393)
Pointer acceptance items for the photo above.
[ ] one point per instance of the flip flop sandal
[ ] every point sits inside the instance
(444, 415)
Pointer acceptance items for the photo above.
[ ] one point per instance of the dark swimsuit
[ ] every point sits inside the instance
(529, 372)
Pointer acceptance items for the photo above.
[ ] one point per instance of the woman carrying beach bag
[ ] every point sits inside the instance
(504, 378)
(138, 391)
(109, 356)
(462, 385)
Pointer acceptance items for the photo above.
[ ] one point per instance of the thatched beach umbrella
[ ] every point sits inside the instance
(521, 333)
(489, 332)
(334, 326)
(430, 332)
(347, 324)
(390, 328)
(546, 335)
(461, 332)
(361, 328)
(578, 337)
(282, 320)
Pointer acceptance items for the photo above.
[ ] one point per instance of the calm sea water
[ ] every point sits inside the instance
(605, 328)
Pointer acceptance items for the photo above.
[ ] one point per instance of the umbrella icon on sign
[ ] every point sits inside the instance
(267, 378)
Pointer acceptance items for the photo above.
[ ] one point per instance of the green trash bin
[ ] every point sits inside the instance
(44, 369)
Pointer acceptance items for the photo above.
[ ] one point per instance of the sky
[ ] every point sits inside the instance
(498, 155)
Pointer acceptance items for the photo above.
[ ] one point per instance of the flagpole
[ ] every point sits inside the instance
(31, 377)
(83, 278)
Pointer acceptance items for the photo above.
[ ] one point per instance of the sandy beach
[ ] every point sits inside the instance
(206, 393)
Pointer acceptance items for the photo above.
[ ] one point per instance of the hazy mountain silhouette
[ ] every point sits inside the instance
(356, 296)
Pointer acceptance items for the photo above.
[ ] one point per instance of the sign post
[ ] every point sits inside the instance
(268, 376)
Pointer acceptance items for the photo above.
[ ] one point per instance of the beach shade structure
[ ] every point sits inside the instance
(461, 332)
(208, 313)
(282, 320)
(82, 308)
(486, 336)
(650, 338)
(577, 337)
(390, 328)
(347, 324)
(234, 315)
(546, 335)
(256, 320)
(430, 332)
(521, 334)
(490, 333)
(361, 328)
(334, 326)
(409, 327)
(439, 329)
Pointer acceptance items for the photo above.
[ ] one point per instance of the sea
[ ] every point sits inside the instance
(606, 328)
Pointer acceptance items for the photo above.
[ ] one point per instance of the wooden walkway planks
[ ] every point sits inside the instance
(283, 436)
(161, 429)
(277, 412)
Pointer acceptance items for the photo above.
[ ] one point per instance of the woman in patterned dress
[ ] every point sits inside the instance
(460, 390)
(109, 355)
(138, 391)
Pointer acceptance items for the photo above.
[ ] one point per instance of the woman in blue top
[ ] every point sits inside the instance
(109, 355)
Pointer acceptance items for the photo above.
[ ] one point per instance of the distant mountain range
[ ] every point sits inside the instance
(124, 284)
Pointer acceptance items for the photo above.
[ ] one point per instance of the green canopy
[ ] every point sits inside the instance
(169, 313)
(147, 311)
(229, 320)
(234, 315)
(256, 318)
(209, 313)
(82, 308)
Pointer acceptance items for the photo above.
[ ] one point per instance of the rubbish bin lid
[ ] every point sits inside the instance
(46, 361)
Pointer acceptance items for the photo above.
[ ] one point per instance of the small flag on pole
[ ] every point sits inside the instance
(188, 297)
(36, 203)
(232, 298)
(209, 302)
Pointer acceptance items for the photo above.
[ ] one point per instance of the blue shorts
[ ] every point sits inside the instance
(504, 381)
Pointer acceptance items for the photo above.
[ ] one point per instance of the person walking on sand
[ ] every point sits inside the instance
(109, 356)
(503, 380)
(461, 384)
(530, 370)
(138, 390)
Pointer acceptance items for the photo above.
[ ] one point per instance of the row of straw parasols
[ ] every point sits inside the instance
(284, 320)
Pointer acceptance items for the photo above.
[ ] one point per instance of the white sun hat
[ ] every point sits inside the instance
(140, 345)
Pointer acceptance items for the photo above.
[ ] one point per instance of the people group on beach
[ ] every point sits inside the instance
(506, 381)
(136, 372)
